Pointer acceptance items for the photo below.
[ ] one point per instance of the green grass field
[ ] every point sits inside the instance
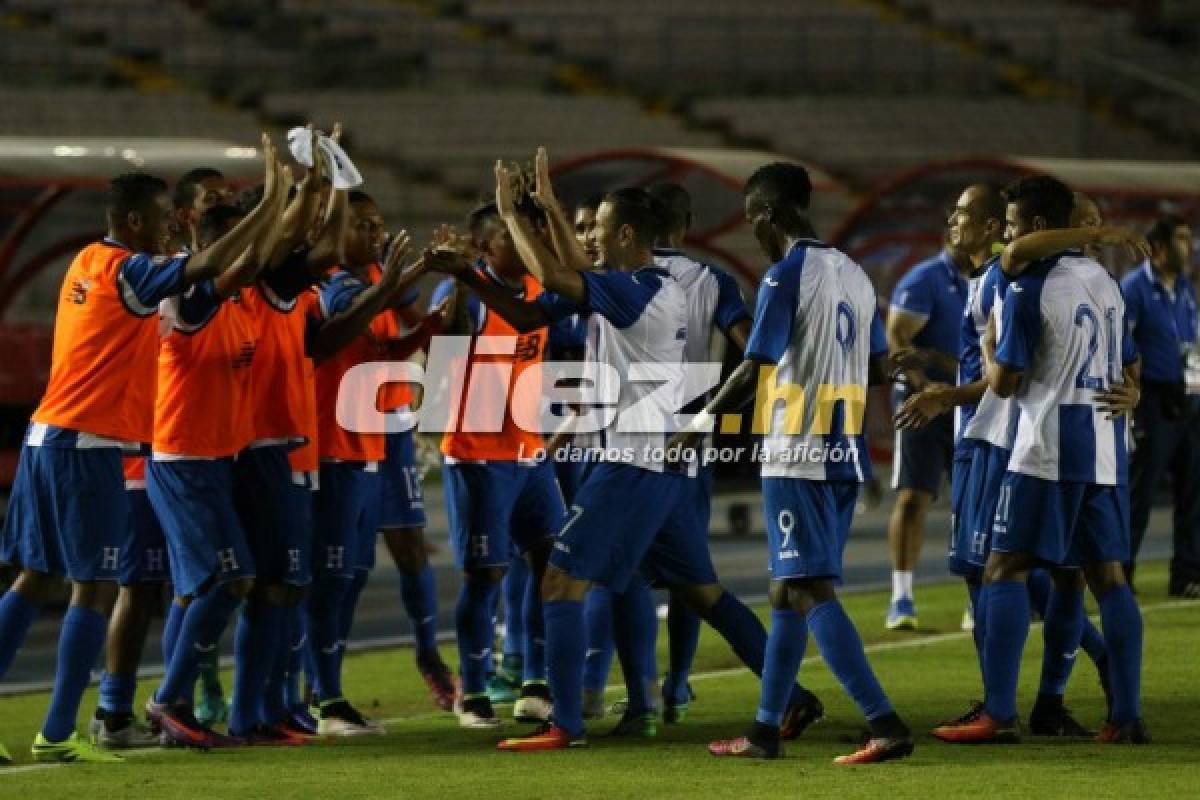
(930, 675)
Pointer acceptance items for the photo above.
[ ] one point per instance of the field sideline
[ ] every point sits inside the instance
(930, 675)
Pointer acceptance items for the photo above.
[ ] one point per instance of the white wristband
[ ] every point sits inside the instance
(701, 423)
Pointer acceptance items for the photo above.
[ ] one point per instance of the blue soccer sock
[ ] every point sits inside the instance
(324, 630)
(1062, 628)
(16, 616)
(1092, 643)
(533, 664)
(683, 636)
(117, 692)
(170, 633)
(785, 651)
(79, 644)
(974, 592)
(842, 649)
(635, 626)
(565, 645)
(297, 656)
(256, 643)
(1122, 623)
(515, 582)
(600, 647)
(274, 698)
(1040, 586)
(473, 623)
(418, 592)
(741, 629)
(1007, 629)
(203, 623)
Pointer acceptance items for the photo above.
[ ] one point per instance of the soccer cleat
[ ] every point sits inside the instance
(970, 715)
(211, 708)
(799, 715)
(742, 747)
(981, 730)
(674, 709)
(300, 719)
(902, 615)
(535, 705)
(1054, 719)
(547, 737)
(1130, 733)
(632, 724)
(71, 750)
(500, 690)
(110, 730)
(442, 685)
(877, 750)
(339, 718)
(5, 756)
(476, 712)
(593, 704)
(179, 726)
(274, 736)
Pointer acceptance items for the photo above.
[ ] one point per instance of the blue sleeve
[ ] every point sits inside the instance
(619, 297)
(474, 306)
(337, 293)
(1129, 351)
(1133, 302)
(914, 293)
(731, 308)
(199, 303)
(146, 280)
(1020, 327)
(879, 346)
(556, 307)
(774, 314)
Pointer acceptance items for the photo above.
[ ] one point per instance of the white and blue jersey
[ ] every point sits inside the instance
(637, 330)
(818, 323)
(1062, 329)
(980, 294)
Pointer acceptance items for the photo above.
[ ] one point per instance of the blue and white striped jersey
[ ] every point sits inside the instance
(980, 291)
(817, 322)
(1062, 327)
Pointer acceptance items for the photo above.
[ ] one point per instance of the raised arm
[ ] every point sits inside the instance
(545, 266)
(1024, 250)
(562, 233)
(523, 316)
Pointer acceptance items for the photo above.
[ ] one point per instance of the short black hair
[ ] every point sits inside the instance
(133, 192)
(358, 196)
(676, 206)
(1162, 230)
(185, 187)
(590, 203)
(480, 217)
(215, 223)
(783, 183)
(638, 209)
(1042, 196)
(991, 200)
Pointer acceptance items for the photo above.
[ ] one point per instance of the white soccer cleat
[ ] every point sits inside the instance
(476, 712)
(534, 706)
(339, 718)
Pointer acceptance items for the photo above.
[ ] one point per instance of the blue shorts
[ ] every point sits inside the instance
(275, 506)
(193, 501)
(1062, 522)
(922, 455)
(618, 513)
(498, 508)
(345, 519)
(68, 513)
(679, 555)
(144, 557)
(808, 523)
(402, 504)
(975, 509)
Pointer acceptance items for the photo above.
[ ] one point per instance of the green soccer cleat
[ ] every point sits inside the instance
(5, 756)
(72, 750)
(500, 690)
(634, 725)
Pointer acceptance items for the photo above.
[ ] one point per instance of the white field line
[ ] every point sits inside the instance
(878, 647)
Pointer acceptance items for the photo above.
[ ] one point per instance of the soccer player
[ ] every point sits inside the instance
(500, 494)
(348, 501)
(816, 341)
(99, 400)
(1161, 313)
(922, 329)
(203, 418)
(1060, 337)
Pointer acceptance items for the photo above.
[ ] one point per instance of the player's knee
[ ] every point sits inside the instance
(559, 586)
(99, 596)
(1006, 567)
(36, 587)
(911, 504)
(803, 594)
(698, 597)
(240, 587)
(1104, 576)
(407, 546)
